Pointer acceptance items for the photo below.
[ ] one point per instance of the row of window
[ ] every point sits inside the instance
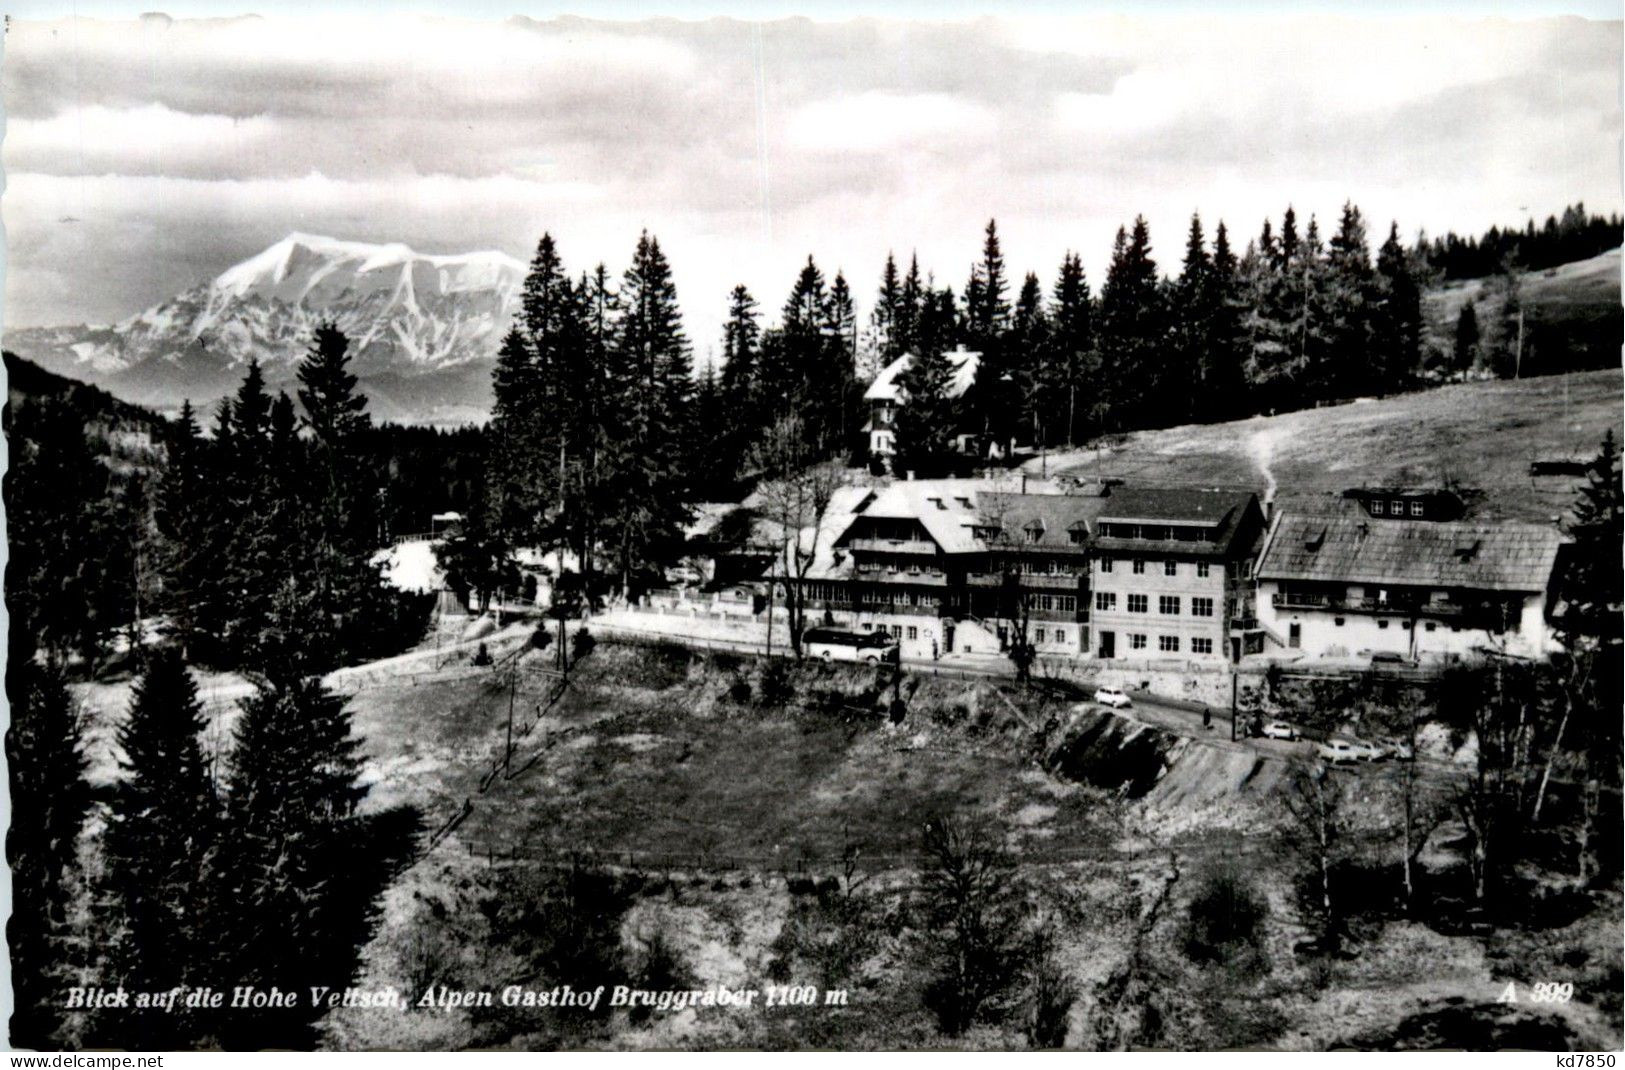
(1066, 603)
(1167, 604)
(1169, 644)
(1380, 508)
(1059, 635)
(1169, 568)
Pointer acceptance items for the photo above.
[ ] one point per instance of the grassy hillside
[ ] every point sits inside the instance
(1571, 314)
(1478, 435)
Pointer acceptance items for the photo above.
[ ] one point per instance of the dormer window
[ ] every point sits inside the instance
(937, 502)
(1077, 534)
(1416, 508)
(1377, 508)
(1035, 532)
(1397, 508)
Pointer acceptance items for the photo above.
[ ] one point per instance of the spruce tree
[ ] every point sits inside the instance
(1350, 295)
(1397, 316)
(50, 800)
(327, 390)
(888, 311)
(1224, 386)
(1070, 385)
(1194, 314)
(160, 846)
(653, 390)
(1132, 331)
(928, 417)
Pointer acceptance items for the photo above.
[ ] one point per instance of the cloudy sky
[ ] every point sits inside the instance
(145, 155)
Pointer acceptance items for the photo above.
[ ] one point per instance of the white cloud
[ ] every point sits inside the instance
(879, 122)
(98, 135)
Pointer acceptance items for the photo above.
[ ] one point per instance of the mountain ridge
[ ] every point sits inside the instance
(410, 316)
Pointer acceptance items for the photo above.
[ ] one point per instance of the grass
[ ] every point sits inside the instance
(664, 762)
(1478, 435)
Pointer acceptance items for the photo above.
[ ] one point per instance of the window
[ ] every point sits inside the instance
(1377, 508)
(1246, 570)
(1201, 607)
(897, 631)
(1201, 646)
(1137, 603)
(1044, 601)
(1066, 603)
(1105, 564)
(1397, 508)
(1105, 600)
(1337, 621)
(1040, 635)
(1430, 626)
(1201, 570)
(1060, 635)
(1078, 536)
(1416, 508)
(1034, 533)
(1170, 568)
(1168, 605)
(1136, 641)
(1139, 566)
(1382, 623)
(1168, 644)
(913, 632)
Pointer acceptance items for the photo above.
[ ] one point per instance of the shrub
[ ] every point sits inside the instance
(1053, 994)
(482, 656)
(1225, 922)
(582, 644)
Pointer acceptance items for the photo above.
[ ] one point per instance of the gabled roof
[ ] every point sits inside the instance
(1339, 547)
(1056, 515)
(1223, 511)
(885, 387)
(1191, 505)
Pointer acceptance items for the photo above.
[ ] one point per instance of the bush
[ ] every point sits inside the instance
(776, 687)
(1053, 994)
(582, 644)
(661, 968)
(482, 656)
(1225, 923)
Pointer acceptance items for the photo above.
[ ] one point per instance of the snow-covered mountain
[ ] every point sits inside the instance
(424, 330)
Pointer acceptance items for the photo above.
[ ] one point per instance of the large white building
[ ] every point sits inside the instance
(1376, 573)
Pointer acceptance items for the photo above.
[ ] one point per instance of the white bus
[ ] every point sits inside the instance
(835, 644)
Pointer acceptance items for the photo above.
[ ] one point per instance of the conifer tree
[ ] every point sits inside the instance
(50, 800)
(160, 846)
(1194, 314)
(327, 390)
(1132, 330)
(653, 388)
(1224, 388)
(927, 419)
(888, 312)
(1029, 342)
(1350, 293)
(1396, 316)
(1072, 357)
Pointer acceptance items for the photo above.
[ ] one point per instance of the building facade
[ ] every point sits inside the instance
(1377, 574)
(1171, 574)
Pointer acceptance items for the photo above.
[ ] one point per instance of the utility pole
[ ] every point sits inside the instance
(1235, 683)
(513, 683)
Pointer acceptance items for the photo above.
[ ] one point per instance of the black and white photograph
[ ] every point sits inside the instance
(1086, 528)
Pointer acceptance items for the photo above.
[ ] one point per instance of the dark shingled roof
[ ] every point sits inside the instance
(1221, 508)
(1058, 514)
(1354, 549)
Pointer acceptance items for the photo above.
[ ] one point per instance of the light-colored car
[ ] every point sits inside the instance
(1113, 697)
(1368, 751)
(1338, 751)
(1279, 730)
(1400, 749)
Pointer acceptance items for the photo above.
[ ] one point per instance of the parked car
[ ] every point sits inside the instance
(1367, 751)
(1388, 657)
(1338, 752)
(1113, 697)
(1400, 749)
(1279, 730)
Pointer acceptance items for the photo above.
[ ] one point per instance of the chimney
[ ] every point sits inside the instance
(1024, 482)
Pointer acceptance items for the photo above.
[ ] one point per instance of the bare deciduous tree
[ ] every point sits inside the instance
(795, 494)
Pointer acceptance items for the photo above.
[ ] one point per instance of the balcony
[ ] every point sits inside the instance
(923, 578)
(1031, 581)
(893, 546)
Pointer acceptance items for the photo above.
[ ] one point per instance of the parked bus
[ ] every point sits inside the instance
(835, 644)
